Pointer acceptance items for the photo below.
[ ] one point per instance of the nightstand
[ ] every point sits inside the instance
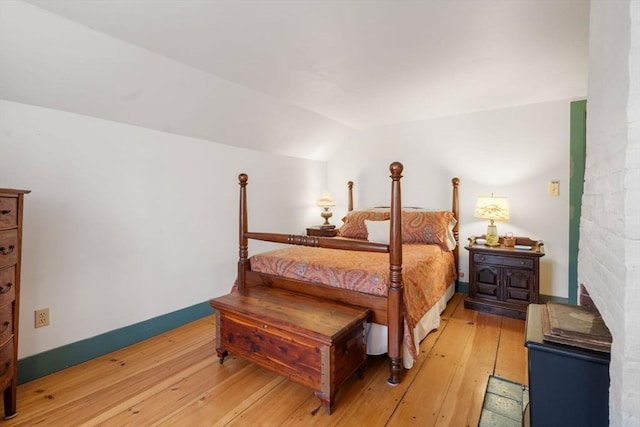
(504, 280)
(320, 231)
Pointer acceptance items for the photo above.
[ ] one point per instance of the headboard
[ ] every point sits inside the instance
(455, 208)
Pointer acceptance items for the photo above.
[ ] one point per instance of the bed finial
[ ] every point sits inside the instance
(396, 169)
(243, 178)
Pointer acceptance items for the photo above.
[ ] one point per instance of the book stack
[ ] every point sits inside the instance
(576, 326)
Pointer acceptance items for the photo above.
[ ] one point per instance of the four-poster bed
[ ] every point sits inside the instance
(366, 274)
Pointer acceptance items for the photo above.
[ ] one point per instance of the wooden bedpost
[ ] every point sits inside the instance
(243, 249)
(395, 297)
(455, 208)
(350, 187)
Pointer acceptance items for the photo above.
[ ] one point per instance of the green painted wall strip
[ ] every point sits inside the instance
(462, 287)
(45, 363)
(577, 153)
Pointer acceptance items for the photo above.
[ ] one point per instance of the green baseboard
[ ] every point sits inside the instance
(462, 287)
(54, 360)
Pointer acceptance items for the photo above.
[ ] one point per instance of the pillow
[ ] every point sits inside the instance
(418, 226)
(432, 227)
(378, 231)
(353, 225)
(451, 239)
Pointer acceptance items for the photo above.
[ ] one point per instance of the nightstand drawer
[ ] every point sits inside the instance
(503, 260)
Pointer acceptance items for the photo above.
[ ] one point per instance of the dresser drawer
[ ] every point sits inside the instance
(503, 260)
(8, 247)
(7, 285)
(6, 323)
(8, 212)
(6, 364)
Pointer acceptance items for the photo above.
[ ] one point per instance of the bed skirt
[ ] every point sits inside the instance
(377, 334)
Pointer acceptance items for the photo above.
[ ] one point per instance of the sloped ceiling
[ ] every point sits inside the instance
(359, 63)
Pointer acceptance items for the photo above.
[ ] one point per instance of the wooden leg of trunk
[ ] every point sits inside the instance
(327, 401)
(222, 354)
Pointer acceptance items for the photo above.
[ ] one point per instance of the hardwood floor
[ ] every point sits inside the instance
(175, 379)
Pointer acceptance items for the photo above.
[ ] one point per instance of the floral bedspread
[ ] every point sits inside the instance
(427, 271)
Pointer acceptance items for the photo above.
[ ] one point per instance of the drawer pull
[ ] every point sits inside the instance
(4, 251)
(6, 212)
(6, 326)
(6, 288)
(265, 326)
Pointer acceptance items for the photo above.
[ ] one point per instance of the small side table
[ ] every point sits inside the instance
(504, 280)
(320, 231)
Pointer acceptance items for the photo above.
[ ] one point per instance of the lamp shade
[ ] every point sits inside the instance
(492, 208)
(326, 200)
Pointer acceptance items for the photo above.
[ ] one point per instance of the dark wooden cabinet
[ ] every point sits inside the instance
(11, 202)
(568, 385)
(504, 280)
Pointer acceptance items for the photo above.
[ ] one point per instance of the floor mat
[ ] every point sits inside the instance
(504, 403)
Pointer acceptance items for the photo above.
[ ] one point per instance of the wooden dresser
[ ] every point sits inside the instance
(312, 341)
(11, 202)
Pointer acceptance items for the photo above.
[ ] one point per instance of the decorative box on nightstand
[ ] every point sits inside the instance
(320, 231)
(504, 280)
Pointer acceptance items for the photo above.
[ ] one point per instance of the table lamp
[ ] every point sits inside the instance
(492, 208)
(326, 201)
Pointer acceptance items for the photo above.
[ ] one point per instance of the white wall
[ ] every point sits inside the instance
(512, 152)
(609, 255)
(133, 212)
(56, 63)
(124, 223)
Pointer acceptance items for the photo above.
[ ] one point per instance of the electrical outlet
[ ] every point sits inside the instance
(460, 274)
(554, 188)
(42, 317)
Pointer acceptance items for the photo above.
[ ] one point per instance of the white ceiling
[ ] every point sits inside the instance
(364, 63)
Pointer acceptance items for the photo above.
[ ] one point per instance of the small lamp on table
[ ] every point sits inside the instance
(492, 208)
(326, 202)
